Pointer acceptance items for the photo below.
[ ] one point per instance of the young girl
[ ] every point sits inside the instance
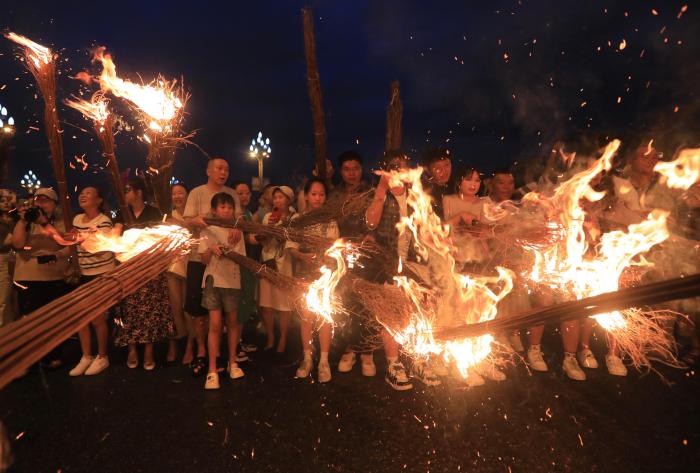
(272, 299)
(92, 265)
(462, 210)
(177, 275)
(221, 287)
(307, 266)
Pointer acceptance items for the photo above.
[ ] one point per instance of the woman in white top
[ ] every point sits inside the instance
(275, 253)
(92, 265)
(307, 266)
(462, 210)
(176, 275)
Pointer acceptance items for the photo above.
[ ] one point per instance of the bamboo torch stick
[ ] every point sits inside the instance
(314, 87)
(394, 112)
(40, 62)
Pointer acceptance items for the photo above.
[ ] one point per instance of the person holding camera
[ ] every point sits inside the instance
(8, 219)
(42, 264)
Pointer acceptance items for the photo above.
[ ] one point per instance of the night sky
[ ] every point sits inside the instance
(496, 82)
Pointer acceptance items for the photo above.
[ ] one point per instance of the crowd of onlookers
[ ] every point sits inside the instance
(206, 295)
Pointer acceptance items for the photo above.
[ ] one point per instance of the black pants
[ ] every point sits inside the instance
(36, 295)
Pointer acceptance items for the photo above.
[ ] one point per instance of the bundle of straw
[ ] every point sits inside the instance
(40, 61)
(296, 286)
(27, 340)
(279, 232)
(335, 209)
(647, 294)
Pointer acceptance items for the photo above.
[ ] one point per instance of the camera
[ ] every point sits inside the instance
(32, 214)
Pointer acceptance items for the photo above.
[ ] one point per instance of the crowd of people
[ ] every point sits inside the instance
(205, 295)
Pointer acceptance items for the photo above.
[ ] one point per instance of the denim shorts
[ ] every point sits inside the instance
(219, 298)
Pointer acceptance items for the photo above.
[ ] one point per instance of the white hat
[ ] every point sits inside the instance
(47, 192)
(286, 190)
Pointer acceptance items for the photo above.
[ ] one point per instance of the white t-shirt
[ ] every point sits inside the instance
(199, 205)
(226, 273)
(92, 264)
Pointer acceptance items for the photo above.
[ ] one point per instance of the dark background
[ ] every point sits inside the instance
(243, 63)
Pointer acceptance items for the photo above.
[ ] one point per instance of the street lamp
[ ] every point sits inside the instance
(7, 123)
(30, 183)
(260, 149)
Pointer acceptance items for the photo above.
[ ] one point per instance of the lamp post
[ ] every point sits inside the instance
(7, 131)
(30, 183)
(260, 149)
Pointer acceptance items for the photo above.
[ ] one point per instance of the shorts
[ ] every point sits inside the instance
(193, 290)
(220, 298)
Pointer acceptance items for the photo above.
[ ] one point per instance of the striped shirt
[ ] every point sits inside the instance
(92, 264)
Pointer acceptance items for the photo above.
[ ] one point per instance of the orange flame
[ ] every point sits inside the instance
(133, 241)
(567, 266)
(320, 297)
(455, 298)
(157, 100)
(683, 172)
(95, 109)
(40, 55)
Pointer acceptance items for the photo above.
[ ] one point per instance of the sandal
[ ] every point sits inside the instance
(198, 366)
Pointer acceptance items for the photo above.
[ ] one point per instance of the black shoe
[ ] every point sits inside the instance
(396, 377)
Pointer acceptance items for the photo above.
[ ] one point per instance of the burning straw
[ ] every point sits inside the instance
(160, 106)
(103, 123)
(27, 340)
(40, 62)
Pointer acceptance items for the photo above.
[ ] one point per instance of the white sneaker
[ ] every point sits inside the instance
(586, 359)
(474, 379)
(421, 370)
(515, 342)
(535, 359)
(488, 370)
(234, 371)
(369, 369)
(212, 381)
(304, 368)
(347, 361)
(396, 377)
(615, 365)
(82, 366)
(572, 368)
(98, 365)
(324, 372)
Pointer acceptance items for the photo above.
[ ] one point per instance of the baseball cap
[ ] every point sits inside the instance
(47, 192)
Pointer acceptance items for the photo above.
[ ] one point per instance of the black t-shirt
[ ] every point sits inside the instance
(149, 216)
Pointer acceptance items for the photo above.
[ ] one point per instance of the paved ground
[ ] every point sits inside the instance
(137, 421)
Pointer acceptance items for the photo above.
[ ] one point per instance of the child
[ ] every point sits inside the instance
(273, 299)
(221, 286)
(307, 266)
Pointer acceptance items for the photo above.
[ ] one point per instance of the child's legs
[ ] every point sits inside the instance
(306, 333)
(325, 332)
(84, 337)
(570, 333)
(586, 331)
(268, 317)
(214, 338)
(285, 318)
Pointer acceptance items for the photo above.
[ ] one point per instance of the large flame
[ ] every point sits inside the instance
(133, 241)
(320, 297)
(567, 266)
(454, 298)
(95, 109)
(157, 100)
(38, 54)
(682, 172)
